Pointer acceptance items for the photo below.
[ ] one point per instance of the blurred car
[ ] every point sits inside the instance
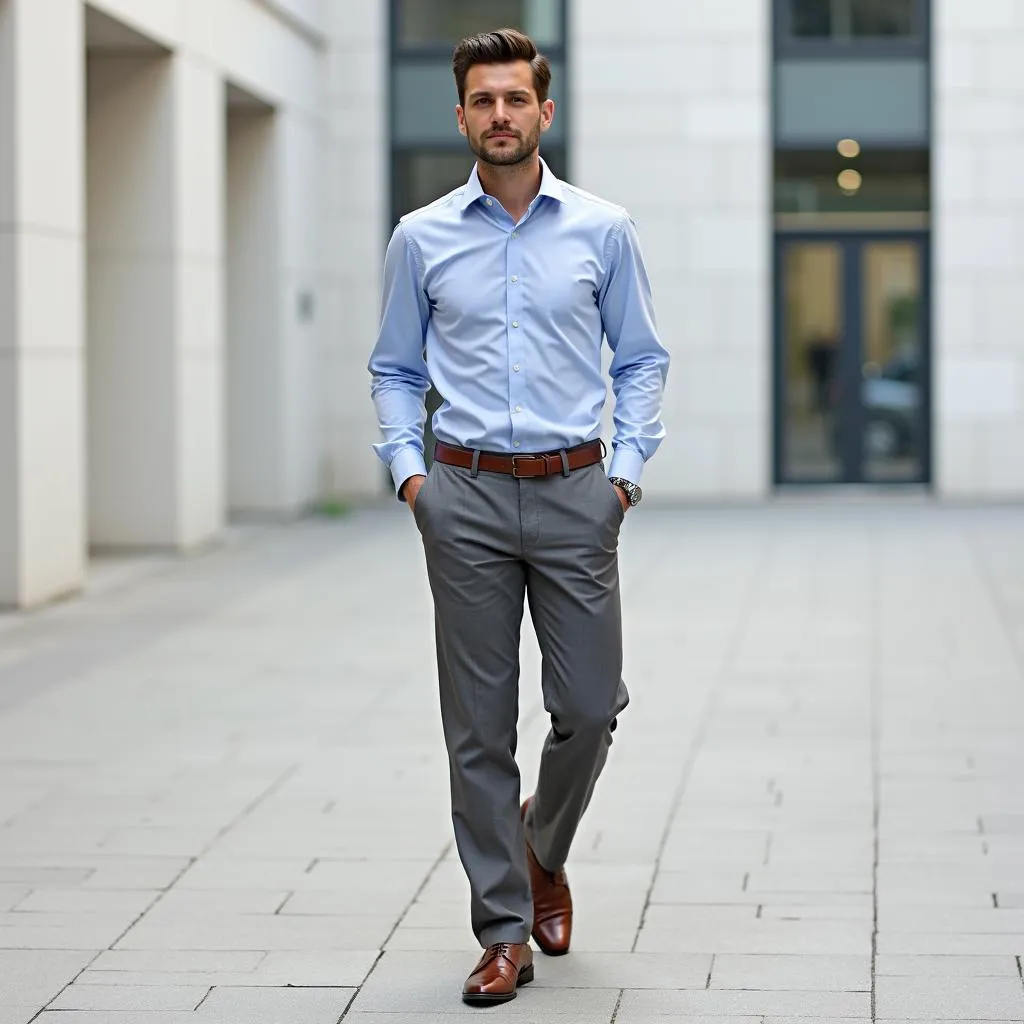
(891, 398)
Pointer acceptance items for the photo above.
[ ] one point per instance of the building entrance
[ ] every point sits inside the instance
(852, 359)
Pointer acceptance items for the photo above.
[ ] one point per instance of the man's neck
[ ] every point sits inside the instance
(514, 187)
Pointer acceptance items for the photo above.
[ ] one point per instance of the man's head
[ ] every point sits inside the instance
(503, 95)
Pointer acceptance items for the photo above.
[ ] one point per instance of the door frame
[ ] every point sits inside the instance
(850, 243)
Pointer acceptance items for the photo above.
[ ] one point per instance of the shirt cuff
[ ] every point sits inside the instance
(408, 462)
(627, 464)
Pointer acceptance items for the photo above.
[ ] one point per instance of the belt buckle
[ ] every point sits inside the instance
(516, 460)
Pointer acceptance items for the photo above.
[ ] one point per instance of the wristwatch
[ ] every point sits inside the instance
(633, 492)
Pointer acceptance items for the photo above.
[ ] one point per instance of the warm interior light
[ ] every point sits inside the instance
(850, 180)
(848, 148)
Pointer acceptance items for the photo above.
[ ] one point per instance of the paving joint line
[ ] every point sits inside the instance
(248, 809)
(192, 861)
(401, 917)
(711, 702)
(618, 1003)
(156, 899)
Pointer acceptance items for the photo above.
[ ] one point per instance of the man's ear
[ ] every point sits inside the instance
(547, 114)
(460, 115)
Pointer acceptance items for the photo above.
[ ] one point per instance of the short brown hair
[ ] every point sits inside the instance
(503, 46)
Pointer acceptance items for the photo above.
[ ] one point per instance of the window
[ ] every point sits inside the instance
(819, 101)
(810, 182)
(879, 19)
(811, 19)
(424, 98)
(852, 22)
(442, 23)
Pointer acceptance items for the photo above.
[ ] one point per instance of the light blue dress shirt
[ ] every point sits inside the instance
(507, 320)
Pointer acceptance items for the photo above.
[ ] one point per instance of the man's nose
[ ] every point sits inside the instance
(500, 114)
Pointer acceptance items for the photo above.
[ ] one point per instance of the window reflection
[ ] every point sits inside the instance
(811, 19)
(881, 18)
(853, 19)
(807, 182)
(892, 353)
(812, 335)
(445, 22)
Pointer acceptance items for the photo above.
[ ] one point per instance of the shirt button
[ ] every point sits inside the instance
(516, 367)
(515, 444)
(515, 323)
(490, 202)
(519, 408)
(515, 234)
(515, 277)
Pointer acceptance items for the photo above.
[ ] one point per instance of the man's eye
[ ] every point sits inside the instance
(518, 99)
(482, 101)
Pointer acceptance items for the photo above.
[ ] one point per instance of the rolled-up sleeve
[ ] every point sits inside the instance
(400, 378)
(639, 366)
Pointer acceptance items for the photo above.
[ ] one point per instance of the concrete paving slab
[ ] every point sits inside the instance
(17, 1014)
(963, 996)
(123, 997)
(175, 961)
(274, 1006)
(794, 973)
(773, 1003)
(946, 966)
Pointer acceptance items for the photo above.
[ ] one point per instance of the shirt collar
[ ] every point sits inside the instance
(550, 186)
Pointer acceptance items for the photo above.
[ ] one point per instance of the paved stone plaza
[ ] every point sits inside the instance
(223, 792)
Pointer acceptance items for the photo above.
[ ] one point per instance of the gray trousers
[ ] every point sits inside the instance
(490, 540)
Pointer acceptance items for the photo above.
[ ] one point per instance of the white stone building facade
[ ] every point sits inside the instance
(195, 196)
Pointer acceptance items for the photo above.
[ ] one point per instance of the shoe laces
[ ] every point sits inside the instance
(500, 949)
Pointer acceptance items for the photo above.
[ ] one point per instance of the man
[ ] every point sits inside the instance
(500, 293)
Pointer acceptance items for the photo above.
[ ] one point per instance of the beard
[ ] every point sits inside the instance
(506, 157)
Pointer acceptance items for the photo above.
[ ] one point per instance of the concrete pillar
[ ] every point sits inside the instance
(155, 289)
(273, 312)
(300, 158)
(41, 319)
(356, 223)
(255, 445)
(703, 210)
(978, 255)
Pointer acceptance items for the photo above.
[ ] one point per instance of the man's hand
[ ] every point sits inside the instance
(622, 497)
(411, 488)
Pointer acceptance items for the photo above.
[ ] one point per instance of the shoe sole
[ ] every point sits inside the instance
(490, 999)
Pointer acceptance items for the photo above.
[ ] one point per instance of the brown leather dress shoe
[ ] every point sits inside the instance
(501, 970)
(552, 903)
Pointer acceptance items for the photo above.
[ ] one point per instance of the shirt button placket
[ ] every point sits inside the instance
(513, 291)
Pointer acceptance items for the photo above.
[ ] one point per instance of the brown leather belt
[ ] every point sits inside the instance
(522, 466)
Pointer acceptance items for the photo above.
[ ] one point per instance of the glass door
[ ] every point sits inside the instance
(893, 428)
(851, 360)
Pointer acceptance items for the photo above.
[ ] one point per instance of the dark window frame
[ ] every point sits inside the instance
(788, 46)
(848, 240)
(438, 50)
